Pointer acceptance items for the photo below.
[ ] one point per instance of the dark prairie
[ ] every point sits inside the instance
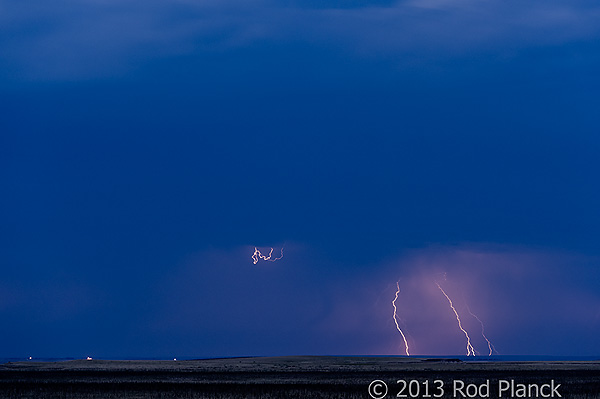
(279, 377)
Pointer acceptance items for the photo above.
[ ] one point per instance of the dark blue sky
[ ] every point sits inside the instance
(147, 147)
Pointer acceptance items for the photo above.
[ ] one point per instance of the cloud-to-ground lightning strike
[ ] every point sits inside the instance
(257, 255)
(490, 346)
(470, 349)
(396, 319)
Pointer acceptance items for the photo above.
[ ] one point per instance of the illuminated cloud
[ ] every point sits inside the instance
(522, 295)
(527, 299)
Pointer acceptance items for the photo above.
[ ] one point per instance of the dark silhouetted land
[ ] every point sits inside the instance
(280, 377)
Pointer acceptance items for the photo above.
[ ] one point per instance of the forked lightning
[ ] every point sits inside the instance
(470, 349)
(396, 319)
(257, 255)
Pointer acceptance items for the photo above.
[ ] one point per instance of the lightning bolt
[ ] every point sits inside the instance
(257, 255)
(396, 319)
(490, 346)
(470, 349)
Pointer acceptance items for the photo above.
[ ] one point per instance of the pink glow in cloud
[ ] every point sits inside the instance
(530, 301)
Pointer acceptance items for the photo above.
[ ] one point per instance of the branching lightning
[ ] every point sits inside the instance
(396, 319)
(470, 349)
(257, 255)
(490, 346)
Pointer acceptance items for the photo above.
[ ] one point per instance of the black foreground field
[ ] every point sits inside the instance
(290, 377)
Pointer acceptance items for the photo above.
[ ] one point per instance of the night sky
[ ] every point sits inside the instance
(147, 147)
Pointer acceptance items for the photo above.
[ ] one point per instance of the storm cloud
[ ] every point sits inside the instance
(79, 39)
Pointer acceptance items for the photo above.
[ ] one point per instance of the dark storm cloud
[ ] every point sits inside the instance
(79, 39)
(137, 137)
(333, 4)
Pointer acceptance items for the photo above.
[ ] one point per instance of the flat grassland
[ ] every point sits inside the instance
(284, 377)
